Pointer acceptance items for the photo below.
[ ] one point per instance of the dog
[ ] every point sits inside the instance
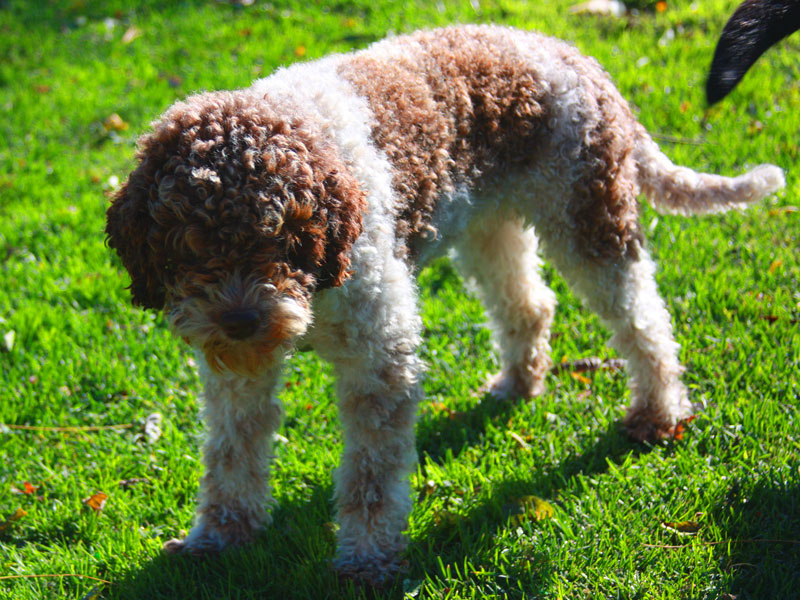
(296, 212)
(754, 26)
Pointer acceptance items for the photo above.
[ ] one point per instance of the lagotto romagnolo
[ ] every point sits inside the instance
(297, 212)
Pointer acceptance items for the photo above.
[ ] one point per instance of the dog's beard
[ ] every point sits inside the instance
(282, 319)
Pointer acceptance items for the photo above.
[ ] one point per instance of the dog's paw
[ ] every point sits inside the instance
(203, 539)
(194, 545)
(378, 574)
(644, 430)
(511, 385)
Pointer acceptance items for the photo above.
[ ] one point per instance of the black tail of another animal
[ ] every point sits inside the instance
(754, 27)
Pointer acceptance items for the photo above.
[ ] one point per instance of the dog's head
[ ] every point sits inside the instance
(233, 217)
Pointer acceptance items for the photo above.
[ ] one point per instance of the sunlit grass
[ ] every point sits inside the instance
(74, 353)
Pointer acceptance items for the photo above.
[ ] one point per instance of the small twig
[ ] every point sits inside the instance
(717, 543)
(76, 429)
(56, 575)
(589, 364)
(677, 140)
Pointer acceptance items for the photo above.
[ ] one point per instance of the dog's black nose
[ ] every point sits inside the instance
(239, 324)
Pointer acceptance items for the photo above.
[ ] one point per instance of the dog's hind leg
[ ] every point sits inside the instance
(623, 292)
(499, 254)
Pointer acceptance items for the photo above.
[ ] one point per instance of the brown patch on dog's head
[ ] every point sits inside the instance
(234, 207)
(226, 183)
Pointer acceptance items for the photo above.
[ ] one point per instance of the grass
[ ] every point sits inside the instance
(75, 354)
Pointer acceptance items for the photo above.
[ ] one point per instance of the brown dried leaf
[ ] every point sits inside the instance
(18, 514)
(114, 122)
(96, 501)
(682, 527)
(783, 210)
(27, 488)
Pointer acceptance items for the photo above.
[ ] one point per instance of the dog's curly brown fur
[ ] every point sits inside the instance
(297, 210)
(224, 182)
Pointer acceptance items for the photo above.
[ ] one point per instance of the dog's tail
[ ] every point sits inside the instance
(680, 190)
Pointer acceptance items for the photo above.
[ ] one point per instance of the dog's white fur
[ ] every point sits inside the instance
(369, 327)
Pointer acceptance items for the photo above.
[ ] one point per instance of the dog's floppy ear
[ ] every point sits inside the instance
(127, 225)
(319, 234)
(754, 27)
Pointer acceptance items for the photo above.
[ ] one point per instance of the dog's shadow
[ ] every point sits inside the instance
(285, 560)
(759, 552)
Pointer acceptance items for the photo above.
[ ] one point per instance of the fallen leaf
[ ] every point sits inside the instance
(680, 428)
(783, 210)
(18, 514)
(581, 378)
(531, 507)
(114, 122)
(9, 337)
(440, 407)
(27, 488)
(300, 51)
(96, 501)
(682, 527)
(131, 34)
(775, 264)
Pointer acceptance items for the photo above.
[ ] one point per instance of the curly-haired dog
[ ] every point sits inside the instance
(298, 210)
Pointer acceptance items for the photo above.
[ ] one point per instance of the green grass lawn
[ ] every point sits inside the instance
(713, 515)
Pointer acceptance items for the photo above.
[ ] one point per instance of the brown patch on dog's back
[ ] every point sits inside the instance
(604, 209)
(452, 108)
(461, 105)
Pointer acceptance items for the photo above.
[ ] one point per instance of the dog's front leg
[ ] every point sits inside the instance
(372, 490)
(241, 415)
(371, 338)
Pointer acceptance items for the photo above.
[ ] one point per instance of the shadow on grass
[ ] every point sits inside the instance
(455, 540)
(285, 560)
(761, 550)
(282, 563)
(611, 446)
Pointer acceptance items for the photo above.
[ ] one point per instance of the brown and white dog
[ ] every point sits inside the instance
(298, 210)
